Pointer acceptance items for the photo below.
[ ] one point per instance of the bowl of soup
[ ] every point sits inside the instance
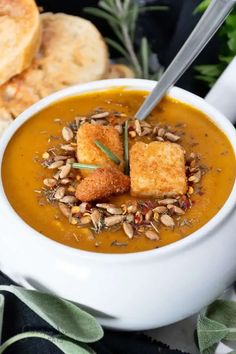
(133, 220)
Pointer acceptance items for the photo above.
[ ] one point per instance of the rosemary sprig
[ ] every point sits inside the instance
(82, 166)
(107, 151)
(126, 147)
(122, 16)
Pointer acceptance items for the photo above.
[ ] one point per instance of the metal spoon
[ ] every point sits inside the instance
(207, 26)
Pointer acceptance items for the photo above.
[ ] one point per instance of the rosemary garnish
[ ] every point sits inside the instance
(107, 151)
(126, 147)
(82, 166)
(122, 17)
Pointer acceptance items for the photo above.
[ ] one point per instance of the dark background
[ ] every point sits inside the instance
(166, 31)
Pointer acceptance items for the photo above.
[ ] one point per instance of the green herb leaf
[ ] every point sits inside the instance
(107, 151)
(224, 312)
(61, 314)
(126, 147)
(116, 46)
(85, 166)
(2, 300)
(153, 8)
(61, 342)
(209, 333)
(100, 13)
(202, 6)
(144, 51)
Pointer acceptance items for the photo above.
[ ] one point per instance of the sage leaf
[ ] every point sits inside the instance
(224, 311)
(1, 314)
(209, 333)
(61, 314)
(61, 342)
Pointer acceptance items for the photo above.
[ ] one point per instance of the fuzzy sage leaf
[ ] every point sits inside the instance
(61, 342)
(224, 312)
(209, 333)
(61, 314)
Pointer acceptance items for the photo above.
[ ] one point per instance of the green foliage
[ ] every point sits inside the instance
(227, 34)
(216, 324)
(122, 16)
(75, 326)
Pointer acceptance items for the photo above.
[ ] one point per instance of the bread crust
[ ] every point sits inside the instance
(20, 38)
(72, 51)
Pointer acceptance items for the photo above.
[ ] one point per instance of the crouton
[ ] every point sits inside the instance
(88, 152)
(102, 183)
(157, 169)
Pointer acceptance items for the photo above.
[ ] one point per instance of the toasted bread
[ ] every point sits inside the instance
(102, 183)
(116, 71)
(20, 36)
(157, 169)
(72, 52)
(88, 152)
(5, 120)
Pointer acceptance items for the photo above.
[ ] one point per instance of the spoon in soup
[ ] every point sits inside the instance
(210, 21)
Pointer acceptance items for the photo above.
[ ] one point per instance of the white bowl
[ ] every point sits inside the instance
(125, 291)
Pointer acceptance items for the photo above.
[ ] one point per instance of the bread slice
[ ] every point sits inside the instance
(117, 71)
(20, 36)
(72, 52)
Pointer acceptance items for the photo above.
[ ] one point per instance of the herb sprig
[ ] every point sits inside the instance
(122, 16)
(227, 33)
(217, 323)
(75, 326)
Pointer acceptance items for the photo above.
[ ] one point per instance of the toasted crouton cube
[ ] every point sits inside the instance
(102, 183)
(88, 152)
(157, 169)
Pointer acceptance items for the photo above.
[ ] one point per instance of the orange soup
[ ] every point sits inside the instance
(85, 173)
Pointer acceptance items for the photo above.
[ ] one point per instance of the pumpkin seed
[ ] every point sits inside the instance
(67, 134)
(68, 199)
(172, 137)
(113, 220)
(64, 209)
(128, 229)
(60, 193)
(115, 210)
(100, 115)
(151, 235)
(55, 165)
(167, 220)
(49, 182)
(65, 170)
(148, 215)
(167, 201)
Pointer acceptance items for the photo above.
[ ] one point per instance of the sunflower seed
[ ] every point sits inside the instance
(100, 115)
(55, 165)
(167, 220)
(64, 209)
(161, 132)
(85, 220)
(119, 128)
(151, 235)
(68, 147)
(67, 134)
(65, 170)
(148, 215)
(105, 205)
(96, 217)
(156, 216)
(172, 137)
(60, 158)
(129, 218)
(132, 208)
(137, 127)
(60, 193)
(45, 155)
(175, 209)
(113, 220)
(114, 210)
(160, 209)
(49, 182)
(128, 229)
(83, 207)
(196, 177)
(65, 181)
(167, 201)
(68, 199)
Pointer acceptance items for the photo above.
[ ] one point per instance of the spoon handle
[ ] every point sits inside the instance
(210, 21)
